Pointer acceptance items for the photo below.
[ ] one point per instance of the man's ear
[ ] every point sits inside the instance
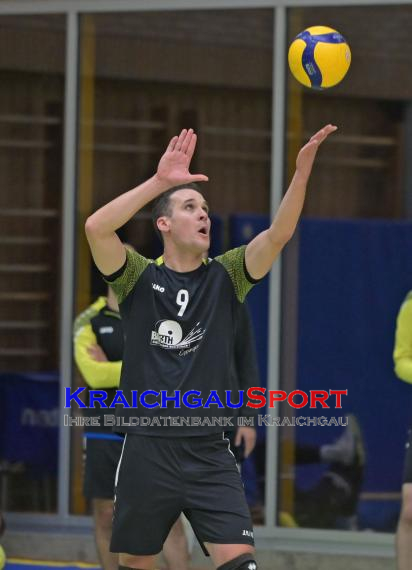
(163, 224)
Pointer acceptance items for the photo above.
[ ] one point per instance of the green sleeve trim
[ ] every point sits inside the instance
(234, 263)
(133, 269)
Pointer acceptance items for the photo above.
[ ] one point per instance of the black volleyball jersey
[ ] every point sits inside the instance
(179, 336)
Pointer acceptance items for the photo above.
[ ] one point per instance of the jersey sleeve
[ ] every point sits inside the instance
(246, 365)
(234, 263)
(402, 353)
(98, 375)
(123, 281)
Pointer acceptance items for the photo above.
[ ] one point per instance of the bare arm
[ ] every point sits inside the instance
(262, 251)
(173, 169)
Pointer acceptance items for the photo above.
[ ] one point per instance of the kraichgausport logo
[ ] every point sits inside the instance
(256, 398)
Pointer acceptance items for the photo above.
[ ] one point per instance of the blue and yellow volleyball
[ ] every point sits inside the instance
(319, 57)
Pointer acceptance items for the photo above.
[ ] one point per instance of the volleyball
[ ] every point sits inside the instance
(319, 57)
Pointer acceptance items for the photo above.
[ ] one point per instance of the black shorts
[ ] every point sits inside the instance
(159, 478)
(407, 470)
(101, 459)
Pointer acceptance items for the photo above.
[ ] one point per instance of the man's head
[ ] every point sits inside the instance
(181, 215)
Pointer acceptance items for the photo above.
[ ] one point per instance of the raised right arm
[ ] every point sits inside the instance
(173, 169)
(108, 251)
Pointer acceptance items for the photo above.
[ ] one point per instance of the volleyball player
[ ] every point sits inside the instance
(178, 317)
(98, 349)
(403, 369)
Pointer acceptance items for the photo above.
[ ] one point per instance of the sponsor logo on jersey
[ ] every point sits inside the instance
(248, 533)
(169, 335)
(106, 330)
(157, 287)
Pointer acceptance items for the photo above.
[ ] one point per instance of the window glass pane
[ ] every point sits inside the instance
(32, 59)
(341, 296)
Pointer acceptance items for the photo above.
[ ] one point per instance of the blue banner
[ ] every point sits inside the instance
(29, 420)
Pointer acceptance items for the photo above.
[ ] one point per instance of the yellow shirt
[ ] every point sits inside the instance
(402, 353)
(98, 375)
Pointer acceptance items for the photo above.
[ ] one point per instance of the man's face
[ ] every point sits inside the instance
(189, 224)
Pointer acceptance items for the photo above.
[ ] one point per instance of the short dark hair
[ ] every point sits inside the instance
(162, 206)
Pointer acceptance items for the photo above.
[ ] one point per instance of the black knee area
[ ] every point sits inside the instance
(127, 568)
(242, 562)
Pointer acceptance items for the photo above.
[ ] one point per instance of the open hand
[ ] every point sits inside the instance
(173, 167)
(306, 156)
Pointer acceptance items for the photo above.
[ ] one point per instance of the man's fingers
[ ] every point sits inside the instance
(180, 139)
(250, 442)
(326, 131)
(191, 146)
(312, 144)
(172, 143)
(321, 135)
(198, 178)
(186, 141)
(248, 436)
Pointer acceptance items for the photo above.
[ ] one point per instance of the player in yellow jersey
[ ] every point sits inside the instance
(402, 356)
(98, 349)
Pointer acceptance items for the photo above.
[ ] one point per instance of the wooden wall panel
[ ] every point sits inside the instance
(30, 201)
(357, 171)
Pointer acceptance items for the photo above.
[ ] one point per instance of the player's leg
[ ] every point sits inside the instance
(216, 506)
(148, 498)
(103, 514)
(101, 458)
(128, 561)
(175, 549)
(404, 532)
(232, 556)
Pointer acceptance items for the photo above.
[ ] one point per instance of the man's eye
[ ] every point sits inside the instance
(190, 206)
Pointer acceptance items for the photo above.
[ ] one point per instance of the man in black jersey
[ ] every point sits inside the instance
(98, 350)
(178, 316)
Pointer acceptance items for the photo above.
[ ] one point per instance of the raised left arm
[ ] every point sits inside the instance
(262, 251)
